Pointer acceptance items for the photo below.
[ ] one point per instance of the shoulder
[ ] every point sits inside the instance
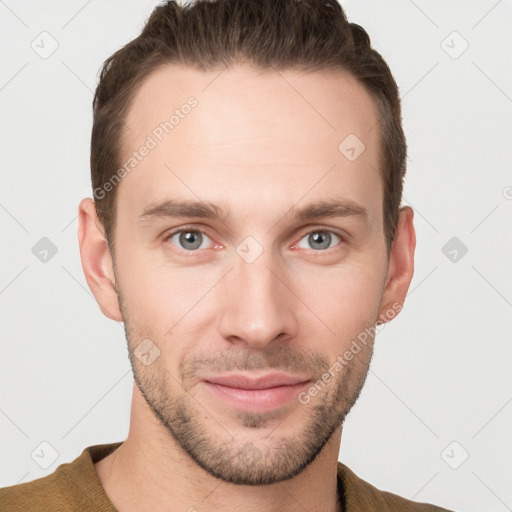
(361, 495)
(42, 494)
(72, 486)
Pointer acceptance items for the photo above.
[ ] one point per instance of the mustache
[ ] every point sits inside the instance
(281, 358)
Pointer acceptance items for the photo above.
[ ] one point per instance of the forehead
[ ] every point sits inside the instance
(250, 138)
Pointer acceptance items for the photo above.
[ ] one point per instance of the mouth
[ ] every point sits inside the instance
(255, 394)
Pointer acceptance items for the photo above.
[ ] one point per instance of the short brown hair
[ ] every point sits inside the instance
(282, 34)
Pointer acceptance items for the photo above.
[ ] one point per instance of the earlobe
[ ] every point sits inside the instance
(400, 268)
(96, 260)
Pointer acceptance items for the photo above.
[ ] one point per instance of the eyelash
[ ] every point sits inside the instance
(196, 230)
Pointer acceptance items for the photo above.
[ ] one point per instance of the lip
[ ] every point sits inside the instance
(270, 380)
(255, 394)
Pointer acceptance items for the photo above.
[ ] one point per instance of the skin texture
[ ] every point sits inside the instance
(258, 143)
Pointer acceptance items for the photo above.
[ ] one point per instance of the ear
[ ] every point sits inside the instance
(96, 260)
(400, 267)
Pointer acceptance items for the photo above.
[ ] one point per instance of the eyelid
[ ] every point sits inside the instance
(317, 229)
(172, 232)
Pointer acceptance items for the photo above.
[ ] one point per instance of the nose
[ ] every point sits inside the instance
(258, 305)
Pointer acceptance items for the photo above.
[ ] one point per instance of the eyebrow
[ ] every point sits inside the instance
(172, 208)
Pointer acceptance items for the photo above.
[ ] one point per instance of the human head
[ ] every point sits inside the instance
(208, 35)
(261, 142)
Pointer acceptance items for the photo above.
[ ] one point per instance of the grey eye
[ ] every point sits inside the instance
(319, 240)
(189, 239)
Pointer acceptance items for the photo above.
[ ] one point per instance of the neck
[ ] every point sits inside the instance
(150, 470)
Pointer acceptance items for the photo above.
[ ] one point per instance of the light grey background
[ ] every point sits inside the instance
(439, 388)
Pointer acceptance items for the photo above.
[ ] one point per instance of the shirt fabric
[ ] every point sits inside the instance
(75, 486)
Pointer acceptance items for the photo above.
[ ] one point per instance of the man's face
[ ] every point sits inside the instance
(261, 290)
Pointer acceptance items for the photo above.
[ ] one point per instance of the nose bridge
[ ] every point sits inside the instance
(260, 307)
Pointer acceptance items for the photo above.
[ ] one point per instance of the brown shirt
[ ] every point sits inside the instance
(75, 486)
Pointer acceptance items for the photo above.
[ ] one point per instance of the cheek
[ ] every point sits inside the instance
(162, 299)
(346, 298)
